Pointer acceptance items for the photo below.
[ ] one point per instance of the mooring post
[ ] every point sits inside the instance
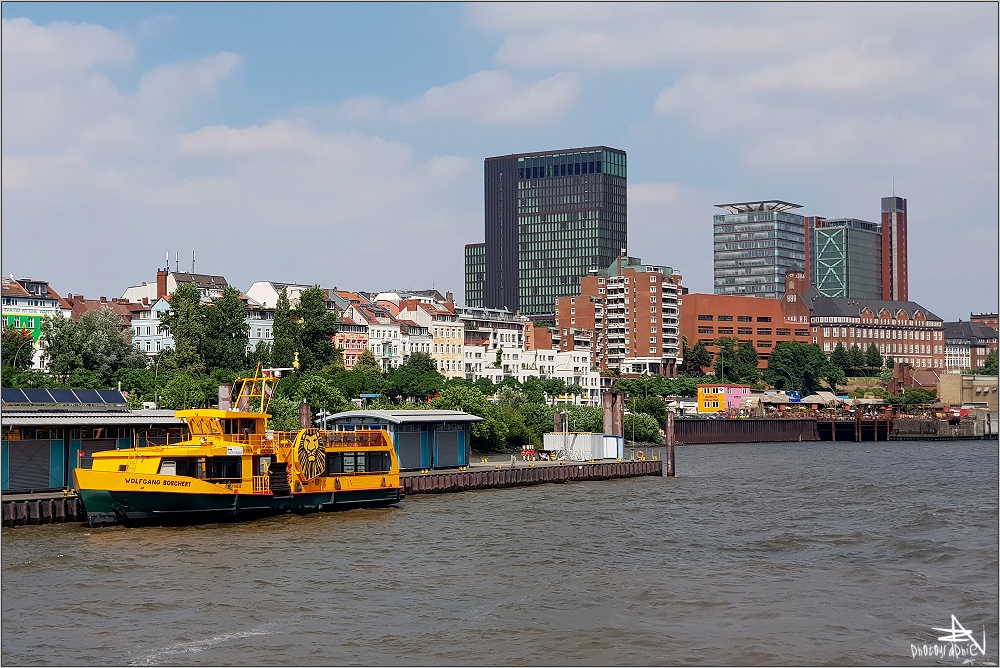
(857, 424)
(670, 444)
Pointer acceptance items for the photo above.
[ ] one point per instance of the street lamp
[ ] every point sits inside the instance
(17, 353)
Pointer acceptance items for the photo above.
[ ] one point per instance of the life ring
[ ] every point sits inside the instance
(641, 456)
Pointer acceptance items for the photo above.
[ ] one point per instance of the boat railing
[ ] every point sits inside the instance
(261, 484)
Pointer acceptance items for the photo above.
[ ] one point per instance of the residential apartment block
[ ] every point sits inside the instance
(630, 314)
(967, 344)
(26, 302)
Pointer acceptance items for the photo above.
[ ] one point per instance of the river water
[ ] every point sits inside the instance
(805, 553)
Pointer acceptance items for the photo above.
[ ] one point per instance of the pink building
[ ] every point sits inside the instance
(721, 397)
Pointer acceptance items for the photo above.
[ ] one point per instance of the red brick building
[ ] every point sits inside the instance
(762, 321)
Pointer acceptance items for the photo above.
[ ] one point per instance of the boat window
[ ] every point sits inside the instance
(239, 426)
(168, 467)
(225, 468)
(357, 462)
(191, 467)
(263, 464)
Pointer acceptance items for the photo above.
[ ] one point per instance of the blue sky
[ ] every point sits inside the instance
(342, 144)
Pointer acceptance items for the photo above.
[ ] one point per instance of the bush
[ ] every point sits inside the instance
(642, 428)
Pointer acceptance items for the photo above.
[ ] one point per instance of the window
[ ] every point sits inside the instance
(725, 318)
(763, 318)
(744, 318)
(763, 331)
(704, 317)
(725, 330)
(744, 330)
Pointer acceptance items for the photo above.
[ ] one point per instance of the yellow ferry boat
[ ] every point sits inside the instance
(232, 467)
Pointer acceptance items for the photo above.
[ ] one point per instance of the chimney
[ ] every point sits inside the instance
(449, 298)
(145, 301)
(161, 283)
(104, 300)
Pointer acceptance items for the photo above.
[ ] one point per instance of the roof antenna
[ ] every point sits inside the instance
(177, 262)
(192, 258)
(166, 267)
(894, 186)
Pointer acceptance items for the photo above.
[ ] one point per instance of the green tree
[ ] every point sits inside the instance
(285, 333)
(18, 347)
(914, 396)
(511, 397)
(226, 333)
(642, 428)
(873, 358)
(989, 367)
(726, 362)
(840, 358)
(699, 358)
(654, 407)
(583, 418)
(492, 432)
(684, 386)
(261, 355)
(316, 327)
(368, 362)
(183, 391)
(486, 386)
(533, 390)
(747, 360)
(416, 378)
(857, 358)
(554, 387)
(538, 418)
(799, 367)
(99, 343)
(185, 322)
(321, 394)
(284, 414)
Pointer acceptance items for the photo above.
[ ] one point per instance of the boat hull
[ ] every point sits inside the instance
(132, 507)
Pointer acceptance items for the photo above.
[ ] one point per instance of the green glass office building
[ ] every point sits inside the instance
(550, 218)
(845, 257)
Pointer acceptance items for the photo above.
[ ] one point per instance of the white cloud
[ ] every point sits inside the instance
(59, 49)
(171, 86)
(487, 97)
(43, 172)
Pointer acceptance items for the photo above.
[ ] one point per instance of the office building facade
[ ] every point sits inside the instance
(895, 268)
(475, 274)
(550, 218)
(756, 244)
(845, 257)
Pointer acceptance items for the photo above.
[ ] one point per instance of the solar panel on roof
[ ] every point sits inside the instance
(112, 397)
(64, 396)
(37, 395)
(89, 396)
(12, 395)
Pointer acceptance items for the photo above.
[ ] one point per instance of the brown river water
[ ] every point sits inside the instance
(805, 553)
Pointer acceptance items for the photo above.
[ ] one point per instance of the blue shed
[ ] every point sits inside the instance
(423, 439)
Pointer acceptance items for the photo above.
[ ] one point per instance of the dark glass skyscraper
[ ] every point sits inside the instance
(550, 218)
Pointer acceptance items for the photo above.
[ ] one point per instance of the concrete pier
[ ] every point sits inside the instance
(495, 475)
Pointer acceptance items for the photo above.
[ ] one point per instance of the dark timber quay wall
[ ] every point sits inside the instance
(43, 511)
(750, 430)
(440, 482)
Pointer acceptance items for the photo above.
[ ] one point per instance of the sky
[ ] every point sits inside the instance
(343, 144)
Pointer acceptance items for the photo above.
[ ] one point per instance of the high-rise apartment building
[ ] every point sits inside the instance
(895, 271)
(756, 244)
(845, 257)
(550, 217)
(632, 310)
